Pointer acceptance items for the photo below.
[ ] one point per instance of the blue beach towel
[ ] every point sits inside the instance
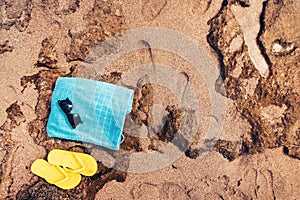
(101, 106)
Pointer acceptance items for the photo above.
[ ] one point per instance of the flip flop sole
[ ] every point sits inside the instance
(78, 162)
(55, 175)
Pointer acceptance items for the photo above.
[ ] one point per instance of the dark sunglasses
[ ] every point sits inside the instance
(66, 106)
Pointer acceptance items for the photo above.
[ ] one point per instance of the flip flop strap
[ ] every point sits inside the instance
(64, 173)
(80, 162)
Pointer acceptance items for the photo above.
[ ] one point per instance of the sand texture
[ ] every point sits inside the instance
(230, 130)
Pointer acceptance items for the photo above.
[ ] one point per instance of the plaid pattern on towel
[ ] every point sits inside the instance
(101, 106)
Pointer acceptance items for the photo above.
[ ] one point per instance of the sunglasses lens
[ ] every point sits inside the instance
(66, 105)
(74, 119)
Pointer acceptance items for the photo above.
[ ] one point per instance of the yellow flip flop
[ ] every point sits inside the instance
(62, 178)
(78, 162)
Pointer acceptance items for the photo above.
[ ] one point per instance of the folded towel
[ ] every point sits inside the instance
(101, 106)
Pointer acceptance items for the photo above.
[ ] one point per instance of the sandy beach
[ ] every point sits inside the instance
(215, 113)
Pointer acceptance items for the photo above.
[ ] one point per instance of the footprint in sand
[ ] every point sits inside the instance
(171, 190)
(152, 8)
(163, 191)
(146, 191)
